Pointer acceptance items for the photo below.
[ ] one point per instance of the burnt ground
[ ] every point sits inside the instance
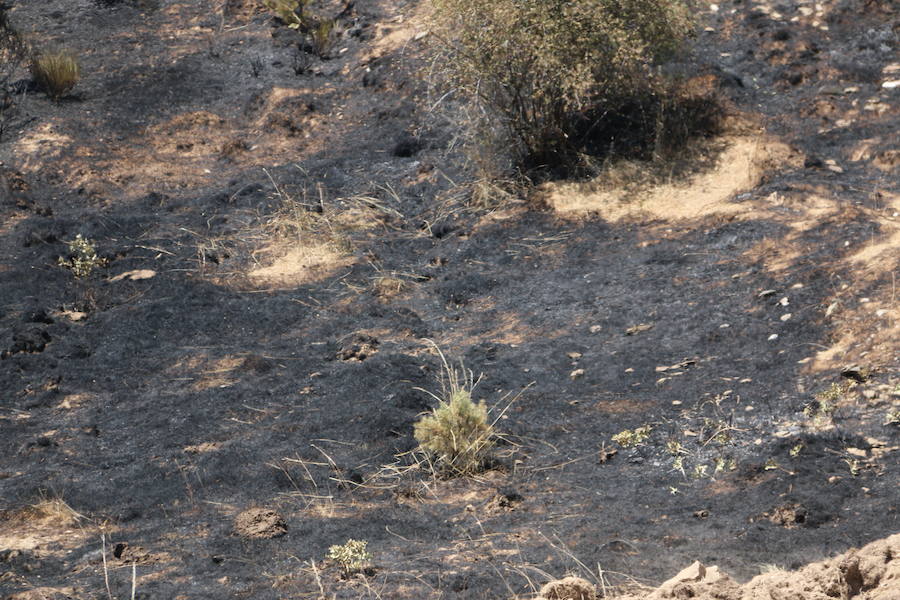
(281, 234)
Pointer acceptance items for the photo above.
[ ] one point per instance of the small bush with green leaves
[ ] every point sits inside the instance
(295, 15)
(551, 75)
(289, 11)
(821, 410)
(322, 35)
(457, 434)
(352, 556)
(55, 72)
(629, 438)
(83, 258)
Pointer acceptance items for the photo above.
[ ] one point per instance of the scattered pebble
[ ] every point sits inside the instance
(786, 317)
(773, 337)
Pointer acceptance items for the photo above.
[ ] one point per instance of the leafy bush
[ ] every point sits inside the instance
(295, 15)
(629, 438)
(352, 556)
(82, 259)
(289, 11)
(55, 72)
(557, 77)
(457, 433)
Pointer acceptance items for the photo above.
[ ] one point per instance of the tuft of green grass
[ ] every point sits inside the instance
(457, 434)
(56, 72)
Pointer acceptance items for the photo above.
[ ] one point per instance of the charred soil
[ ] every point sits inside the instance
(230, 389)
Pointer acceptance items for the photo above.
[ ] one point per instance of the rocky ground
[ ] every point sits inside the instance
(230, 388)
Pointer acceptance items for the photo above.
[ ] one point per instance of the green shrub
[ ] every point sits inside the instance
(55, 72)
(295, 15)
(629, 438)
(556, 77)
(82, 259)
(457, 433)
(322, 37)
(352, 556)
(289, 11)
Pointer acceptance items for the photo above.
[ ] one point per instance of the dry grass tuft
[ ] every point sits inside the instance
(568, 588)
(50, 512)
(56, 72)
(457, 433)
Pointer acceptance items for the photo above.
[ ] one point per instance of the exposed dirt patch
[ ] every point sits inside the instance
(867, 573)
(260, 523)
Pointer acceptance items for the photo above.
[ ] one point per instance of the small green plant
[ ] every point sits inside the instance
(822, 409)
(630, 438)
(352, 556)
(854, 466)
(797, 449)
(675, 448)
(720, 431)
(457, 433)
(289, 11)
(82, 259)
(322, 39)
(55, 72)
(293, 13)
(893, 417)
